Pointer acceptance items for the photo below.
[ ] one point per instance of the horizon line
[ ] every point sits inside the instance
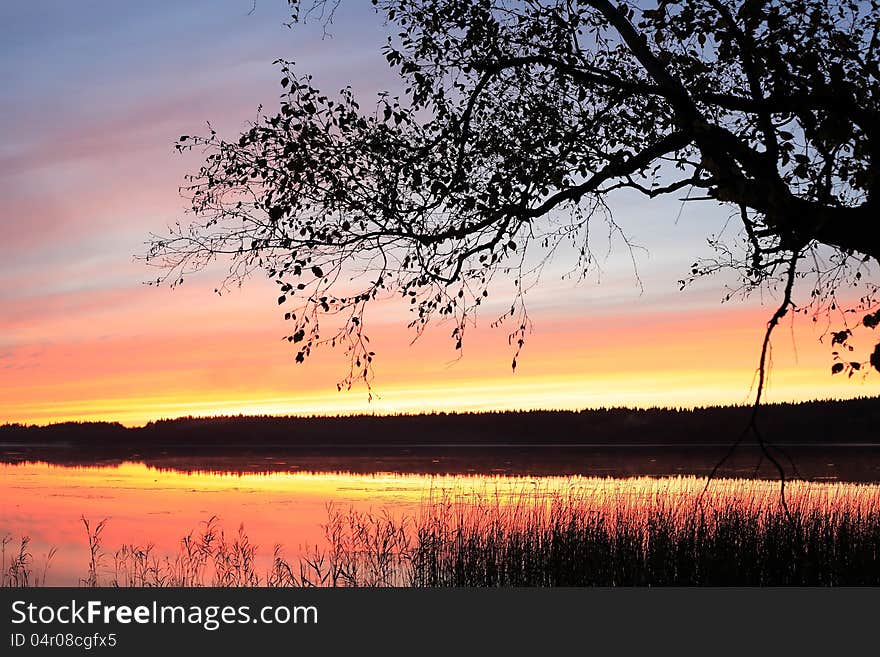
(512, 411)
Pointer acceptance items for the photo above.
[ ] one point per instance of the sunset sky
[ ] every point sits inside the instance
(94, 95)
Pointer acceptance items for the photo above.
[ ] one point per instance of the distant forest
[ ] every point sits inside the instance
(850, 421)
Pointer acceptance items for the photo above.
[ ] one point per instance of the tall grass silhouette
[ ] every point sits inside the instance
(593, 532)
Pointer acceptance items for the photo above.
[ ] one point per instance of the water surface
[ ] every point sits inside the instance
(283, 499)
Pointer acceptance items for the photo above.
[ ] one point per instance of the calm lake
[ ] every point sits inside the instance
(284, 499)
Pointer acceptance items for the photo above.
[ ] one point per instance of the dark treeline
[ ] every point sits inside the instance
(850, 421)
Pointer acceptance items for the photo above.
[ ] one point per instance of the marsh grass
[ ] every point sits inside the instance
(206, 558)
(642, 534)
(17, 566)
(584, 532)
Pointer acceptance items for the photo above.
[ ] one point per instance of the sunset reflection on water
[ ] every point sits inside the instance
(145, 505)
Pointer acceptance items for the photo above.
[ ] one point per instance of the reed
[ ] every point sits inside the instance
(642, 535)
(204, 558)
(17, 569)
(591, 532)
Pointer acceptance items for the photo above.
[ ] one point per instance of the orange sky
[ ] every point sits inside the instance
(81, 337)
(163, 353)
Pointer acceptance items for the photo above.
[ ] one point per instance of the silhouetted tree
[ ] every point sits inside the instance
(519, 120)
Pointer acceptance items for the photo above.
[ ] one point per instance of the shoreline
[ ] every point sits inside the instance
(856, 463)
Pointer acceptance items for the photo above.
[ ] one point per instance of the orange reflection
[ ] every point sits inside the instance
(145, 505)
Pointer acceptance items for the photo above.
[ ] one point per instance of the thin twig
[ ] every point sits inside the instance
(752, 426)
